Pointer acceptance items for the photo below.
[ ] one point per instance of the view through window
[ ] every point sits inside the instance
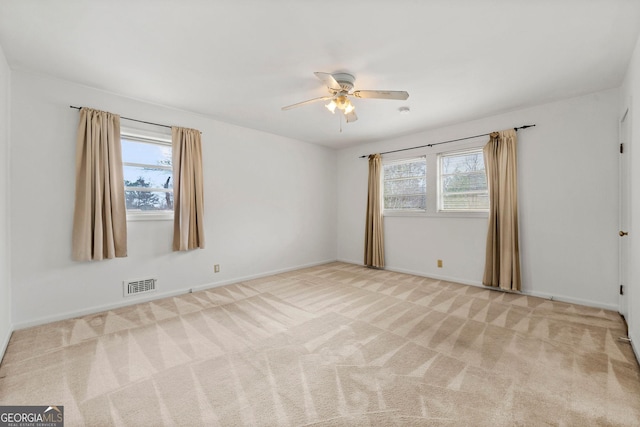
(463, 182)
(458, 177)
(148, 173)
(405, 184)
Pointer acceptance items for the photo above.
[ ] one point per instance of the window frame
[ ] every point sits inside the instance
(148, 137)
(440, 191)
(431, 154)
(412, 159)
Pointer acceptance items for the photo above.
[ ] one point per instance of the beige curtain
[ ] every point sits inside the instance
(502, 264)
(188, 228)
(100, 218)
(374, 239)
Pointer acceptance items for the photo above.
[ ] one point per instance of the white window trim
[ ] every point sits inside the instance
(153, 138)
(439, 156)
(431, 154)
(149, 216)
(411, 159)
(439, 214)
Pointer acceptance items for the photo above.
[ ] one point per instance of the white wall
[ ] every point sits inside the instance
(5, 275)
(259, 222)
(269, 206)
(568, 199)
(630, 98)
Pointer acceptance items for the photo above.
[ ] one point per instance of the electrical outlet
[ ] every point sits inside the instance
(216, 268)
(439, 263)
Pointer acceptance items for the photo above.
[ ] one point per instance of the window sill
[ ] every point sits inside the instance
(440, 214)
(151, 216)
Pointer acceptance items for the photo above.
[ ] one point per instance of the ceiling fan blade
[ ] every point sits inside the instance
(382, 94)
(351, 117)
(310, 101)
(329, 80)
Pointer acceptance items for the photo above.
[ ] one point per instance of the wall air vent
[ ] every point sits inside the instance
(135, 287)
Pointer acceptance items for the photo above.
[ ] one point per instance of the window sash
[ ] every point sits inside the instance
(446, 197)
(158, 140)
(149, 189)
(398, 194)
(476, 195)
(148, 166)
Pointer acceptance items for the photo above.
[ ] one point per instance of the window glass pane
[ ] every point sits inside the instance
(459, 202)
(148, 200)
(418, 201)
(135, 176)
(461, 163)
(463, 182)
(147, 174)
(402, 170)
(145, 152)
(405, 184)
(460, 183)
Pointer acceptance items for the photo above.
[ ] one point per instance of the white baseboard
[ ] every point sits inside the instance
(436, 276)
(259, 275)
(5, 342)
(99, 308)
(463, 281)
(154, 296)
(572, 300)
(635, 344)
(350, 261)
(422, 274)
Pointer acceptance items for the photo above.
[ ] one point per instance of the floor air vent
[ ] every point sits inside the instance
(135, 287)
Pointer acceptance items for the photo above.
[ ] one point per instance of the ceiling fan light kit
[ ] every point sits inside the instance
(342, 103)
(340, 86)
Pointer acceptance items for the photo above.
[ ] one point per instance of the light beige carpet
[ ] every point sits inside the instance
(334, 345)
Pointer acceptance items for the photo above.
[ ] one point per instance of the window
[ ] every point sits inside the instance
(462, 181)
(405, 184)
(455, 180)
(148, 179)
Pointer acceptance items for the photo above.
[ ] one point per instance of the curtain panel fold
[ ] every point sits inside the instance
(100, 218)
(374, 238)
(502, 263)
(188, 193)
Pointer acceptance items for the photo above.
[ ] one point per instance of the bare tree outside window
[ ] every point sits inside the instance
(405, 185)
(463, 182)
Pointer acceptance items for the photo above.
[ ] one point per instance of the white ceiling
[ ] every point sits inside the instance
(240, 61)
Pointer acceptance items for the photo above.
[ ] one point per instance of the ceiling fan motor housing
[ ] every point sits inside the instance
(345, 81)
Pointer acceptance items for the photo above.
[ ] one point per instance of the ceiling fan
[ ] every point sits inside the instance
(340, 86)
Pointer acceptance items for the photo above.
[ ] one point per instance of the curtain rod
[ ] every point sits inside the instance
(444, 142)
(133, 120)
